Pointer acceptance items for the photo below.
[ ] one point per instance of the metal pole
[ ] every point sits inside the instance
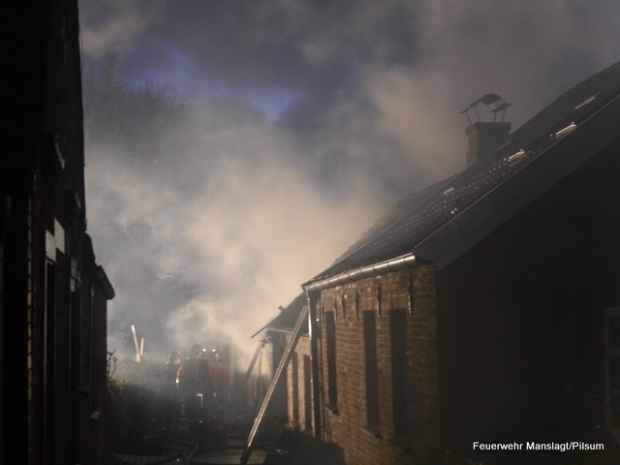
(301, 319)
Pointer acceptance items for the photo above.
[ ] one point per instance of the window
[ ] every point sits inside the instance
(330, 322)
(295, 381)
(398, 337)
(307, 394)
(372, 379)
(612, 365)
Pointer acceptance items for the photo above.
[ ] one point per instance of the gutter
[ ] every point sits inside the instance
(318, 283)
(283, 331)
(260, 330)
(275, 330)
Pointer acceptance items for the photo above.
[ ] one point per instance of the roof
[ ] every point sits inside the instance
(106, 285)
(285, 321)
(445, 219)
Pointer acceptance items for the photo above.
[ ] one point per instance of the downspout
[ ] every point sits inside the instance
(313, 333)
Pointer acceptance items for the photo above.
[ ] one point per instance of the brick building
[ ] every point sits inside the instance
(54, 295)
(293, 397)
(276, 334)
(485, 307)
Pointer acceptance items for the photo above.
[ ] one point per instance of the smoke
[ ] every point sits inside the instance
(306, 120)
(112, 26)
(528, 52)
(215, 228)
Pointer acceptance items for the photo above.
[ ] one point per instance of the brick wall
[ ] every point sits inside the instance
(411, 291)
(300, 421)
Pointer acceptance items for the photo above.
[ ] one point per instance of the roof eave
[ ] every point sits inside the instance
(108, 289)
(362, 271)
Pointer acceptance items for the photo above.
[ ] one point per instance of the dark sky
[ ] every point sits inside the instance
(235, 148)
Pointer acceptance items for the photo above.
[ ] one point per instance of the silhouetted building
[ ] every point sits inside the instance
(485, 307)
(54, 295)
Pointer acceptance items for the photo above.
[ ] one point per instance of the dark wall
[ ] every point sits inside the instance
(520, 317)
(41, 70)
(23, 91)
(63, 116)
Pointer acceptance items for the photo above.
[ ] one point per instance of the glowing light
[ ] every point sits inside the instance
(586, 102)
(567, 130)
(517, 156)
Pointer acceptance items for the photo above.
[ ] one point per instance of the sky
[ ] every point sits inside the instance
(234, 149)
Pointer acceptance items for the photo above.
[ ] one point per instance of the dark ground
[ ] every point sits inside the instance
(300, 449)
(146, 427)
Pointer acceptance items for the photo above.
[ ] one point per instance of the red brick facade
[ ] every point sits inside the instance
(512, 334)
(345, 424)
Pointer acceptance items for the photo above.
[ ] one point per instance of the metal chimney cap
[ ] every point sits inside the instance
(494, 104)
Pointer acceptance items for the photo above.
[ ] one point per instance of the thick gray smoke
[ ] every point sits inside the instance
(271, 133)
(214, 227)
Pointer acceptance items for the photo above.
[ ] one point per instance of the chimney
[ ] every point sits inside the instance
(484, 135)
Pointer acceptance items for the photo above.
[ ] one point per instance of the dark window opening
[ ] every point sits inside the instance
(398, 337)
(372, 378)
(295, 381)
(307, 394)
(330, 322)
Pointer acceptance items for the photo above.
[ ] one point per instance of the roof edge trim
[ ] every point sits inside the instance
(108, 289)
(320, 283)
(281, 330)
